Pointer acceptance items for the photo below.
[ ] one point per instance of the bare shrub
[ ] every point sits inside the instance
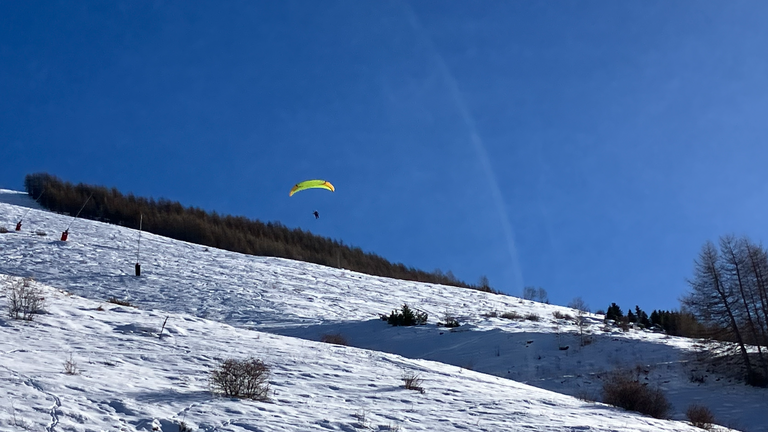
(532, 317)
(41, 233)
(70, 367)
(413, 381)
(623, 390)
(336, 339)
(695, 376)
(362, 419)
(511, 315)
(449, 321)
(560, 315)
(3, 230)
(24, 299)
(491, 314)
(241, 379)
(700, 416)
(117, 301)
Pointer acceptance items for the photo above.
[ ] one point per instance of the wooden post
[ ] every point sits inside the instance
(138, 246)
(160, 336)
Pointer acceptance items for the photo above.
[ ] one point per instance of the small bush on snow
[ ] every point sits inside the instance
(24, 299)
(70, 367)
(511, 315)
(336, 339)
(697, 377)
(449, 321)
(407, 317)
(624, 325)
(413, 381)
(622, 389)
(241, 379)
(700, 416)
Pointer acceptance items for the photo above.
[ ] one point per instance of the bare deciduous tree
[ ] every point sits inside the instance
(537, 294)
(579, 304)
(728, 292)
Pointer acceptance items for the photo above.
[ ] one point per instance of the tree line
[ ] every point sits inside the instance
(675, 323)
(234, 233)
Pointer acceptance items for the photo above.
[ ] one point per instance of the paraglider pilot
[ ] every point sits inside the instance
(317, 215)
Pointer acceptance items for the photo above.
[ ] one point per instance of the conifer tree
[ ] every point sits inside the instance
(631, 317)
(642, 317)
(614, 313)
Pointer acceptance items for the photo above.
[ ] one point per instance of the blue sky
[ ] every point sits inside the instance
(586, 147)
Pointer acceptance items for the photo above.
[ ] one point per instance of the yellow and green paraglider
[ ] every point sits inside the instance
(312, 184)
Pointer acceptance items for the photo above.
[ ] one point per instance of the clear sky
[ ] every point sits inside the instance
(586, 147)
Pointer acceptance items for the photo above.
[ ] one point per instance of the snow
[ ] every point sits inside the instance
(490, 374)
(17, 198)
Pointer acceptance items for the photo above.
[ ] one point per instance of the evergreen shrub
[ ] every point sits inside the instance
(407, 317)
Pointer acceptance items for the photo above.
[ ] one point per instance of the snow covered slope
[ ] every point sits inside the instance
(223, 304)
(20, 199)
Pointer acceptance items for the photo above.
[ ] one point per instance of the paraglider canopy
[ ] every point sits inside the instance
(310, 184)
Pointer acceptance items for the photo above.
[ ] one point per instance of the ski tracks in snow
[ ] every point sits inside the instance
(54, 410)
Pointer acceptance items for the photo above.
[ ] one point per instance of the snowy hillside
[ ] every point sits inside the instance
(222, 304)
